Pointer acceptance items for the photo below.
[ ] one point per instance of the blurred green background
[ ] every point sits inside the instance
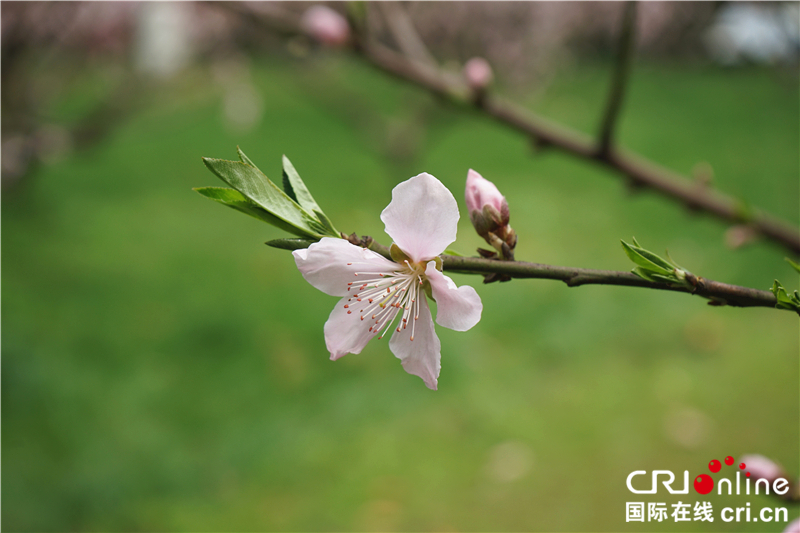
(163, 370)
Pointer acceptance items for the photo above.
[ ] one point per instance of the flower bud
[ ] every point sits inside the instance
(761, 467)
(325, 25)
(478, 73)
(489, 213)
(484, 199)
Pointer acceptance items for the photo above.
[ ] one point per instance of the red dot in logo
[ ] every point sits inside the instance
(747, 474)
(703, 484)
(742, 465)
(729, 460)
(714, 466)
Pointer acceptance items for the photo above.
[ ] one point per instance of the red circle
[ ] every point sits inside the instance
(742, 465)
(714, 466)
(729, 460)
(747, 474)
(703, 484)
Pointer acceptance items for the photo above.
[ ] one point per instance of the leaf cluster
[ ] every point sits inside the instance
(786, 300)
(292, 209)
(654, 268)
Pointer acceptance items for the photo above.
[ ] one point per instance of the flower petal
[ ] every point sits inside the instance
(422, 217)
(345, 332)
(421, 356)
(330, 264)
(457, 308)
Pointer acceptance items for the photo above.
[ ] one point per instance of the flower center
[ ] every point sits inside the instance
(379, 297)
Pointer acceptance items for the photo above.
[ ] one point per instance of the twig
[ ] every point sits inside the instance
(716, 292)
(627, 39)
(638, 170)
(405, 35)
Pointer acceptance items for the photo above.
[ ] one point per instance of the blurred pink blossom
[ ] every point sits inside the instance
(478, 73)
(761, 467)
(325, 25)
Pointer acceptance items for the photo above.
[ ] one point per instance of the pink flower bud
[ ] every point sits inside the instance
(488, 211)
(478, 73)
(480, 193)
(325, 25)
(761, 467)
(794, 527)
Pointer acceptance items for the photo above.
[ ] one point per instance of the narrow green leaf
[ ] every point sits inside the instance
(672, 262)
(295, 188)
(290, 244)
(646, 259)
(253, 184)
(236, 200)
(784, 301)
(795, 266)
(244, 159)
(653, 276)
(642, 273)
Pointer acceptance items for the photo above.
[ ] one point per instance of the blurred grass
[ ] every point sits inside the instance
(164, 370)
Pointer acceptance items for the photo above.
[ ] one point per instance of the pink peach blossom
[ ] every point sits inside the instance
(478, 73)
(325, 25)
(375, 292)
(761, 467)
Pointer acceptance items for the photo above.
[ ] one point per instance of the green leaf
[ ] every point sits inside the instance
(246, 160)
(673, 263)
(795, 266)
(290, 244)
(784, 301)
(654, 277)
(295, 188)
(450, 251)
(253, 184)
(646, 259)
(236, 200)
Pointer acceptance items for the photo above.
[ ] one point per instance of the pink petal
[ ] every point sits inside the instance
(762, 467)
(422, 217)
(330, 264)
(457, 308)
(345, 332)
(480, 192)
(422, 356)
(325, 25)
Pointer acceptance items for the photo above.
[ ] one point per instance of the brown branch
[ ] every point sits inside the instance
(405, 35)
(716, 292)
(627, 39)
(638, 170)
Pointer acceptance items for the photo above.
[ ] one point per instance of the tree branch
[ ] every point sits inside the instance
(627, 39)
(718, 293)
(639, 171)
(405, 35)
